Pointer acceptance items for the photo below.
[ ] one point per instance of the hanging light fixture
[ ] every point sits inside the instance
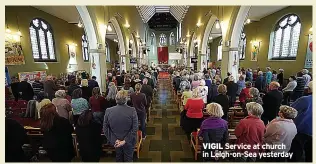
(109, 28)
(311, 29)
(79, 24)
(248, 21)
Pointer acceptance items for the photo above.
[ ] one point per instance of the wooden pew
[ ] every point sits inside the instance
(36, 132)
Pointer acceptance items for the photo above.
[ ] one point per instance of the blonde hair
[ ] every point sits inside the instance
(215, 110)
(84, 82)
(121, 97)
(288, 112)
(222, 89)
(260, 73)
(195, 93)
(254, 109)
(275, 84)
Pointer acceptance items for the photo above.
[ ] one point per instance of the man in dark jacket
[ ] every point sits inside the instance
(26, 90)
(73, 86)
(148, 91)
(177, 81)
(93, 82)
(226, 79)
(271, 102)
(120, 128)
(232, 88)
(50, 88)
(15, 88)
(260, 82)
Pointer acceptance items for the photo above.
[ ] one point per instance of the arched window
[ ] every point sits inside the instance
(85, 53)
(220, 51)
(42, 41)
(242, 46)
(285, 38)
(107, 51)
(163, 39)
(172, 39)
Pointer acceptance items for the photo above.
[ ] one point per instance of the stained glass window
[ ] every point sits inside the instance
(163, 39)
(42, 41)
(220, 51)
(242, 46)
(286, 37)
(172, 39)
(85, 54)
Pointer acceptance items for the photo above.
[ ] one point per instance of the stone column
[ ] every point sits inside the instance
(98, 67)
(230, 62)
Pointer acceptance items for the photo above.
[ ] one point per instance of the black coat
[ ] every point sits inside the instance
(271, 104)
(86, 93)
(260, 83)
(224, 102)
(232, 88)
(58, 141)
(71, 88)
(280, 78)
(15, 90)
(90, 141)
(176, 82)
(148, 91)
(27, 90)
(15, 137)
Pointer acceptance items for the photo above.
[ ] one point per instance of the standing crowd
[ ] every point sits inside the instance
(274, 112)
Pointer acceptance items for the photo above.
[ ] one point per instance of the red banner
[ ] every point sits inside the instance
(162, 55)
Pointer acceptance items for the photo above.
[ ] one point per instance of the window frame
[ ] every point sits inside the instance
(50, 29)
(83, 48)
(163, 37)
(277, 26)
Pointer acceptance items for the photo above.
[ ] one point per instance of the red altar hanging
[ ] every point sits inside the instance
(163, 55)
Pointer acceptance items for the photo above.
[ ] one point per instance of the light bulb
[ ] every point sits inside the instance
(131, 41)
(19, 33)
(8, 30)
(248, 21)
(311, 29)
(217, 25)
(109, 28)
(188, 35)
(210, 38)
(127, 25)
(79, 24)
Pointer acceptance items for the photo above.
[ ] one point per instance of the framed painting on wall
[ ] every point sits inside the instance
(254, 51)
(13, 50)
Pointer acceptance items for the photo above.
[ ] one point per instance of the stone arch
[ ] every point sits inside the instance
(207, 32)
(94, 39)
(239, 25)
(120, 37)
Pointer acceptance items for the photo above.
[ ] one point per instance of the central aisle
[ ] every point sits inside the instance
(165, 142)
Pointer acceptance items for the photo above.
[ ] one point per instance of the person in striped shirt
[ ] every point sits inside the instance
(37, 86)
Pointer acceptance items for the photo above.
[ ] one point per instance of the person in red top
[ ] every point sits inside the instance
(245, 94)
(192, 115)
(250, 131)
(97, 102)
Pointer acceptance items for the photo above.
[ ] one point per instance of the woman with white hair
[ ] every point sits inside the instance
(184, 83)
(232, 89)
(192, 115)
(306, 77)
(250, 131)
(203, 91)
(63, 106)
(214, 129)
(281, 130)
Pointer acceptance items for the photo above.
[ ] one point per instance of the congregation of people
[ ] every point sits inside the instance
(77, 106)
(275, 111)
